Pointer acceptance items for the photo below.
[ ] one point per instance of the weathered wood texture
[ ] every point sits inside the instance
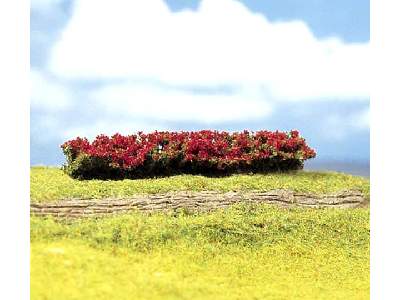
(194, 201)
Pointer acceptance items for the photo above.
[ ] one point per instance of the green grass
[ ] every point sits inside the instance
(245, 252)
(49, 184)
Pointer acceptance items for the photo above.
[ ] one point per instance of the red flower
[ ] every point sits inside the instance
(217, 148)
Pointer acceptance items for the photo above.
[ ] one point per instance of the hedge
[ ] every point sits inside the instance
(168, 153)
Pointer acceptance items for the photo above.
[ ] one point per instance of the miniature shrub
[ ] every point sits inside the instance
(168, 153)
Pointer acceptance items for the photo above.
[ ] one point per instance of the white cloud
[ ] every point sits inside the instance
(109, 127)
(44, 5)
(338, 127)
(157, 103)
(47, 94)
(46, 128)
(361, 120)
(220, 43)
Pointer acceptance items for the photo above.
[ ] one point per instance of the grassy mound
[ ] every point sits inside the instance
(49, 184)
(245, 252)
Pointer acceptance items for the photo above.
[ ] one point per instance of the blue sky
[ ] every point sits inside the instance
(102, 67)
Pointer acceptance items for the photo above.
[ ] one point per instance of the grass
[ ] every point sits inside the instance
(245, 252)
(50, 184)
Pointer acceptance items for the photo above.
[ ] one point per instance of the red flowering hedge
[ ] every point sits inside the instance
(201, 152)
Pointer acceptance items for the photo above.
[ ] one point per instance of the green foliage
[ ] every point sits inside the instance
(49, 184)
(244, 252)
(84, 166)
(202, 152)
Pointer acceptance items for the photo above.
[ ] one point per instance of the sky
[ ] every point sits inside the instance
(126, 66)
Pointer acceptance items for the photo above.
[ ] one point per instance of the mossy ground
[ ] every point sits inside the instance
(245, 252)
(49, 184)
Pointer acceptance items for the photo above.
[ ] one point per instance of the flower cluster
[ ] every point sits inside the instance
(200, 151)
